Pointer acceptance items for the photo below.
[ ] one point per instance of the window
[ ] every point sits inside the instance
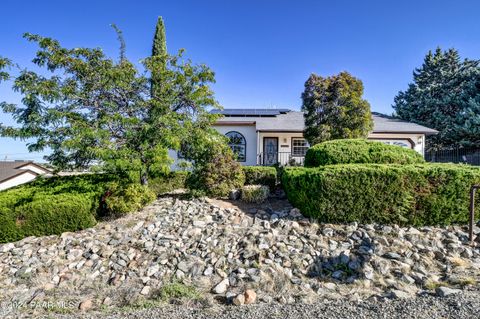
(237, 143)
(401, 143)
(299, 146)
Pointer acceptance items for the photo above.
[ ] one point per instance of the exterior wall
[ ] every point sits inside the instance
(254, 142)
(18, 180)
(250, 134)
(418, 140)
(284, 145)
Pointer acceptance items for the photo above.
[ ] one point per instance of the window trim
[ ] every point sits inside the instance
(245, 144)
(380, 139)
(292, 147)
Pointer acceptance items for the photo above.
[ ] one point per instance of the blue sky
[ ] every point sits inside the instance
(262, 51)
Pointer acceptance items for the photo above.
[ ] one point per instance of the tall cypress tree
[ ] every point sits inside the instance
(159, 50)
(159, 40)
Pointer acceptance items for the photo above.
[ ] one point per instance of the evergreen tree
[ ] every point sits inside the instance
(334, 108)
(87, 108)
(444, 95)
(159, 40)
(159, 51)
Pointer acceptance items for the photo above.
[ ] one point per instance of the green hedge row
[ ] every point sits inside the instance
(168, 182)
(50, 206)
(59, 204)
(351, 151)
(422, 194)
(121, 199)
(260, 175)
(55, 214)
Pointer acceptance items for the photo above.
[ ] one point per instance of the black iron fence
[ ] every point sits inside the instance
(281, 158)
(457, 155)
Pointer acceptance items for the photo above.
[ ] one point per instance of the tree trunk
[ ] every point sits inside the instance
(144, 178)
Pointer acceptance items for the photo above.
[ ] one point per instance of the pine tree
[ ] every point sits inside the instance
(334, 108)
(159, 51)
(444, 95)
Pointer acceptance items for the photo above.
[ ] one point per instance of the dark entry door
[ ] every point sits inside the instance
(270, 150)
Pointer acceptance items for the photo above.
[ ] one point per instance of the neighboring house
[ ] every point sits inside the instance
(270, 136)
(13, 173)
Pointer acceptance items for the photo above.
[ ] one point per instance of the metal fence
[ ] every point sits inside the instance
(282, 158)
(457, 155)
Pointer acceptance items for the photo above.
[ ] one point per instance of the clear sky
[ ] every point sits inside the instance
(262, 51)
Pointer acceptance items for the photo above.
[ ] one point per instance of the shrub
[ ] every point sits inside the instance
(219, 175)
(54, 214)
(8, 227)
(50, 206)
(260, 175)
(121, 199)
(359, 151)
(54, 205)
(422, 194)
(177, 290)
(168, 182)
(255, 193)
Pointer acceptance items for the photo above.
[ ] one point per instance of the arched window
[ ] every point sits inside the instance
(238, 144)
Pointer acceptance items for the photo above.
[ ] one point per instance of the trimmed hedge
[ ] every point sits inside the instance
(422, 194)
(351, 151)
(54, 205)
(121, 199)
(50, 206)
(55, 214)
(8, 227)
(260, 175)
(168, 182)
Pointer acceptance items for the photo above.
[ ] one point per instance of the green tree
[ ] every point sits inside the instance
(88, 108)
(159, 51)
(444, 95)
(334, 108)
(159, 40)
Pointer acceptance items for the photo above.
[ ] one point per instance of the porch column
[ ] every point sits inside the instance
(258, 148)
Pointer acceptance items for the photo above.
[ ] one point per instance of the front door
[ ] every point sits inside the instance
(270, 150)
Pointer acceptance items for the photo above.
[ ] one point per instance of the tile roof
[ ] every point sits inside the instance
(293, 121)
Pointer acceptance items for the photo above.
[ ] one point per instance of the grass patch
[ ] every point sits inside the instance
(459, 262)
(463, 281)
(434, 284)
(177, 290)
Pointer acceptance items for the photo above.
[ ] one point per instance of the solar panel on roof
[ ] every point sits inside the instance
(251, 112)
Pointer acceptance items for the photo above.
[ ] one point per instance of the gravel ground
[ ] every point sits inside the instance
(463, 305)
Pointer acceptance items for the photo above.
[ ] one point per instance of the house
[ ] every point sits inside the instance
(13, 173)
(271, 136)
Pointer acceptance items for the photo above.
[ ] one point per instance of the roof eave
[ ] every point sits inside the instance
(407, 132)
(280, 131)
(18, 174)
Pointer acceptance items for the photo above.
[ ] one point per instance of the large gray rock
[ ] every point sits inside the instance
(221, 287)
(234, 194)
(446, 291)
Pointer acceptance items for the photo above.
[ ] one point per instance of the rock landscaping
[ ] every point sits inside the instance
(201, 252)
